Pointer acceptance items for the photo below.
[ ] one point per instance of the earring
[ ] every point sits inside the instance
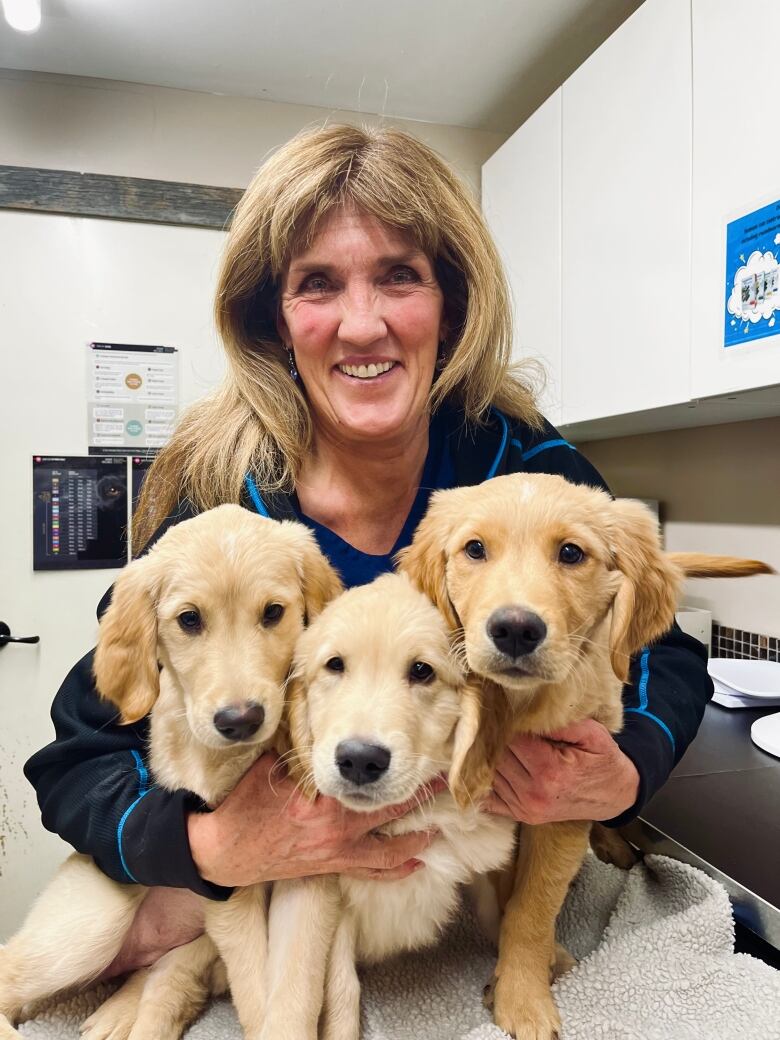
(293, 369)
(441, 357)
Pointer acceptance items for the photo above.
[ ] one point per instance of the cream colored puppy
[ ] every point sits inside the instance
(378, 709)
(200, 632)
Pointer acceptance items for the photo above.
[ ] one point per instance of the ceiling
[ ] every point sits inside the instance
(474, 63)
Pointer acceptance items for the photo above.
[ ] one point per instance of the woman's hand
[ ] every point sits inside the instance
(577, 773)
(266, 830)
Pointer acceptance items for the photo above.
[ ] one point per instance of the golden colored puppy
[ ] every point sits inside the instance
(200, 632)
(548, 588)
(378, 709)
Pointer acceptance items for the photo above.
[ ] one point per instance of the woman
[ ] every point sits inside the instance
(366, 321)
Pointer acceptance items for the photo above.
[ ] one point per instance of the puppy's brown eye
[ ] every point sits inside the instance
(420, 672)
(570, 553)
(272, 614)
(475, 550)
(190, 621)
(335, 664)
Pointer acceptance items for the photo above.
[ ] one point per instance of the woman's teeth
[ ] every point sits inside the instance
(366, 371)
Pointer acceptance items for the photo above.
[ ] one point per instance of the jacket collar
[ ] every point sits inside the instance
(478, 453)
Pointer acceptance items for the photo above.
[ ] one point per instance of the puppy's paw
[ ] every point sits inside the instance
(611, 847)
(525, 1018)
(112, 1021)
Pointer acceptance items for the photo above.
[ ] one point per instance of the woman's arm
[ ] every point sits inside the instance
(94, 790)
(584, 773)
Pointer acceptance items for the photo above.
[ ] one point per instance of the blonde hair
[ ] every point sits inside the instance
(258, 421)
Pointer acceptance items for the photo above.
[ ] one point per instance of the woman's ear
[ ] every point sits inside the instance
(425, 560)
(125, 666)
(643, 608)
(481, 735)
(300, 759)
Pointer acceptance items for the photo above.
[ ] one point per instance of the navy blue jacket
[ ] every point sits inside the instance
(95, 791)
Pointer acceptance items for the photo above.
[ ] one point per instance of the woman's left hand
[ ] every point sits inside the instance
(576, 773)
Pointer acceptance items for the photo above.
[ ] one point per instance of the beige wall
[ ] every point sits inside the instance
(126, 129)
(720, 492)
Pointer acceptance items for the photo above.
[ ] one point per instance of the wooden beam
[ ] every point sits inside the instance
(116, 198)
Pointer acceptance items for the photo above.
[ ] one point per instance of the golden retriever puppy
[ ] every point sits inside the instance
(200, 632)
(548, 589)
(378, 708)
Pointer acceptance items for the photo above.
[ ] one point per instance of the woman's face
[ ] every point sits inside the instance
(363, 311)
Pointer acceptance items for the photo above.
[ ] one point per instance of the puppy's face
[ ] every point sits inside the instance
(378, 701)
(529, 566)
(227, 624)
(217, 606)
(529, 579)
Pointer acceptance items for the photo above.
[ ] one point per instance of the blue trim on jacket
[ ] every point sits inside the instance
(143, 790)
(255, 495)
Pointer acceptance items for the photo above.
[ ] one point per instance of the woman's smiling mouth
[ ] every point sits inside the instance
(367, 371)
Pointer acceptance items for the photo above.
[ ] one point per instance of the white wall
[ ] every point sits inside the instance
(719, 487)
(127, 129)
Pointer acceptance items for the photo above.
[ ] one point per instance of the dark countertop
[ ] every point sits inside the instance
(720, 810)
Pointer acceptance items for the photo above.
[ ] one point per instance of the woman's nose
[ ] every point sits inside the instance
(362, 322)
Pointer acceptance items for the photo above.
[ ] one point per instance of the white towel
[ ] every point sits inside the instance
(656, 963)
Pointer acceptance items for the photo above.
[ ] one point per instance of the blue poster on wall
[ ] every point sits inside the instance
(753, 276)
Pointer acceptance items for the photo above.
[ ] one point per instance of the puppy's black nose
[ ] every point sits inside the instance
(240, 722)
(516, 632)
(360, 762)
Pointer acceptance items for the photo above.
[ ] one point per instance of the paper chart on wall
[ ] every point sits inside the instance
(753, 277)
(132, 397)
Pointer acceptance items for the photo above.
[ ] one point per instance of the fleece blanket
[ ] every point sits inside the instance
(654, 947)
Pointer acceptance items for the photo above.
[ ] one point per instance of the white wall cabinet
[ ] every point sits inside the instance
(626, 215)
(611, 203)
(521, 192)
(736, 169)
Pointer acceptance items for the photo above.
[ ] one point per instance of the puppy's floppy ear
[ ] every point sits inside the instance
(319, 580)
(644, 606)
(480, 736)
(425, 560)
(299, 761)
(125, 666)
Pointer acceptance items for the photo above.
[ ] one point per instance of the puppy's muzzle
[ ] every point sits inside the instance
(239, 722)
(515, 632)
(360, 762)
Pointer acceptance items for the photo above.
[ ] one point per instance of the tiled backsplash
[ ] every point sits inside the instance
(734, 642)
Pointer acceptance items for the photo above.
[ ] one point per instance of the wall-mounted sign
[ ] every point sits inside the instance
(753, 276)
(79, 512)
(132, 395)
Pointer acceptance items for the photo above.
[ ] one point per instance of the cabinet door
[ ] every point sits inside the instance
(521, 197)
(626, 218)
(736, 170)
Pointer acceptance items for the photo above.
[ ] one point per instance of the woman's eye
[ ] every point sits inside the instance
(403, 276)
(190, 621)
(315, 283)
(421, 672)
(335, 664)
(570, 553)
(475, 550)
(272, 613)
